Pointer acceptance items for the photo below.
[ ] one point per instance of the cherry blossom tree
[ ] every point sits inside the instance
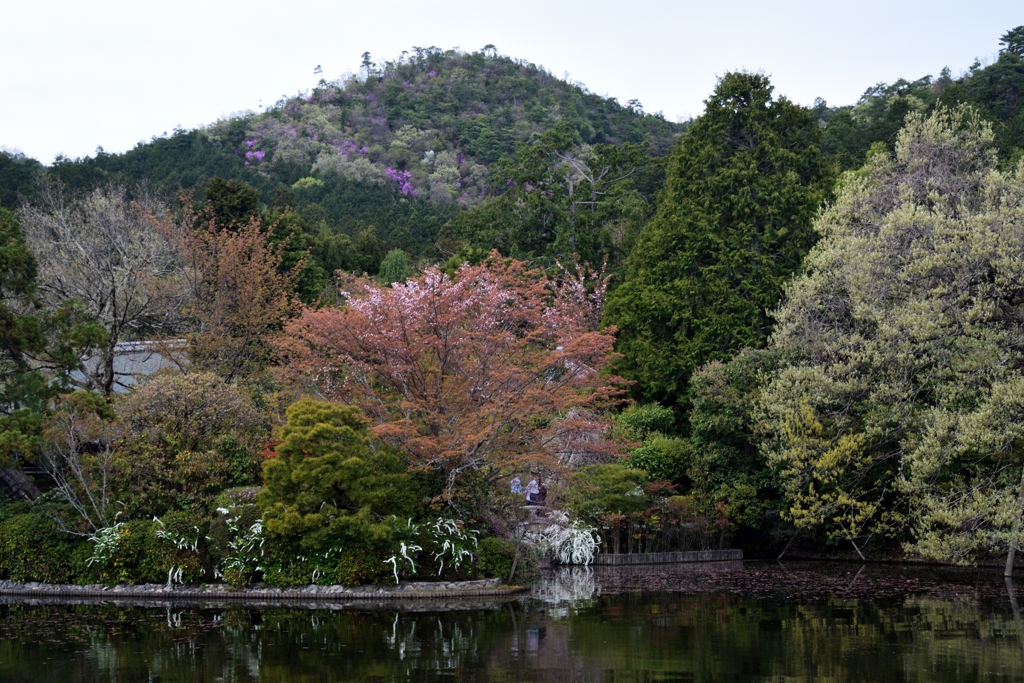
(484, 372)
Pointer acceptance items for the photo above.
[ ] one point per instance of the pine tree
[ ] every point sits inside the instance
(734, 223)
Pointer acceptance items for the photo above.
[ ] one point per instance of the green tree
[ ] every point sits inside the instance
(1013, 41)
(663, 458)
(877, 117)
(395, 267)
(558, 197)
(182, 439)
(328, 486)
(734, 224)
(368, 252)
(898, 410)
(37, 347)
(19, 176)
(23, 390)
(20, 334)
(606, 489)
(728, 470)
(287, 232)
(997, 91)
(661, 455)
(232, 203)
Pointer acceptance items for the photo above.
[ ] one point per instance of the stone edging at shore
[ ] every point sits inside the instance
(405, 591)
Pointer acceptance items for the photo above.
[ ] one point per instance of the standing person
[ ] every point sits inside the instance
(542, 494)
(516, 485)
(532, 489)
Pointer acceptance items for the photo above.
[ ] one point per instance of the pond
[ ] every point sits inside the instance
(747, 621)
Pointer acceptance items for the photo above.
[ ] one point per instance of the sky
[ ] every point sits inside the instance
(77, 75)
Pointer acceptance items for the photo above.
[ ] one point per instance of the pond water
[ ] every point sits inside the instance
(727, 622)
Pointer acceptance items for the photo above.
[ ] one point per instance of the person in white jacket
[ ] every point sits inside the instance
(532, 489)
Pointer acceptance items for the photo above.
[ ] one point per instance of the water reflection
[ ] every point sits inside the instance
(756, 623)
(568, 587)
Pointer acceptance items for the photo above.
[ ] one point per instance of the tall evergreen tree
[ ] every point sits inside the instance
(20, 333)
(734, 223)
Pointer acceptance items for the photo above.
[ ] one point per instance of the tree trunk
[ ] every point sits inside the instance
(1012, 553)
(515, 561)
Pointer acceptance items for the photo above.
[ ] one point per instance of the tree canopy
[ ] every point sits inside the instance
(558, 198)
(465, 375)
(898, 411)
(741, 191)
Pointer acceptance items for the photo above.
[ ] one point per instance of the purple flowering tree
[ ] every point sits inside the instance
(402, 180)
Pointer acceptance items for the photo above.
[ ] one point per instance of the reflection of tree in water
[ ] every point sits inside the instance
(570, 587)
(570, 631)
(442, 646)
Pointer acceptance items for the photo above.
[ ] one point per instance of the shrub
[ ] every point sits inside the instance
(285, 565)
(328, 488)
(641, 421)
(236, 539)
(189, 437)
(603, 489)
(662, 458)
(451, 546)
(33, 548)
(568, 543)
(181, 546)
(496, 555)
(360, 566)
(132, 558)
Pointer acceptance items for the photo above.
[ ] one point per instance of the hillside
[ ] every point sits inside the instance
(996, 91)
(401, 147)
(389, 158)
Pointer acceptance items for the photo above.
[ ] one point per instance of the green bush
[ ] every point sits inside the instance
(135, 559)
(495, 557)
(181, 546)
(221, 535)
(152, 551)
(640, 421)
(328, 487)
(33, 548)
(238, 544)
(604, 489)
(360, 566)
(663, 457)
(286, 566)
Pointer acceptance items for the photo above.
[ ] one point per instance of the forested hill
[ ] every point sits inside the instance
(390, 159)
(995, 91)
(435, 119)
(399, 147)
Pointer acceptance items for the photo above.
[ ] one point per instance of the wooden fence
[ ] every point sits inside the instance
(668, 558)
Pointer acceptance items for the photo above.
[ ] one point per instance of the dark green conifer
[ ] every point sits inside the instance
(733, 225)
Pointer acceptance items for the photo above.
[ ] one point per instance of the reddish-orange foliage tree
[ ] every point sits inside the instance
(239, 298)
(485, 372)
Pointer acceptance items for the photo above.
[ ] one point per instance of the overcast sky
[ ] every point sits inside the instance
(75, 75)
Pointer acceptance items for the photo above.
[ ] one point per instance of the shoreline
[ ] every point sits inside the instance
(436, 590)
